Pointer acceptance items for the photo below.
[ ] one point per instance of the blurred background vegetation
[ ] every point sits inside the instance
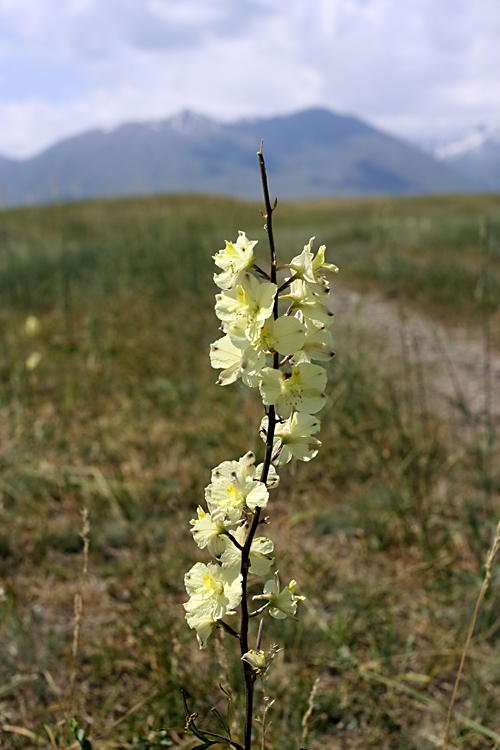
(110, 404)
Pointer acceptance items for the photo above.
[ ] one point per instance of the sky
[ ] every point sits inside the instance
(419, 69)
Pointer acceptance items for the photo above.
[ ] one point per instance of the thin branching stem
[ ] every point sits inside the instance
(228, 628)
(260, 271)
(288, 282)
(259, 611)
(231, 743)
(489, 564)
(234, 540)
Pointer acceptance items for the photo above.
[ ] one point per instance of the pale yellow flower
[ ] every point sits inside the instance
(317, 345)
(282, 603)
(256, 659)
(301, 390)
(247, 468)
(311, 269)
(245, 363)
(234, 261)
(261, 558)
(285, 335)
(313, 309)
(214, 593)
(235, 494)
(293, 438)
(209, 530)
(244, 309)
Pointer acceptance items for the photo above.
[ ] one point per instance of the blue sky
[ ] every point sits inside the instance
(416, 68)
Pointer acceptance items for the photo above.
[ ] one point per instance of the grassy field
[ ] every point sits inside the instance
(386, 531)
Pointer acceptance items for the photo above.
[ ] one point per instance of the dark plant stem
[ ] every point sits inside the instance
(288, 283)
(228, 629)
(271, 414)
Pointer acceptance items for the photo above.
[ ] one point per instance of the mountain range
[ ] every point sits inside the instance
(310, 154)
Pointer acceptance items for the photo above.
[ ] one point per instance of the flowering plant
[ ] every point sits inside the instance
(272, 328)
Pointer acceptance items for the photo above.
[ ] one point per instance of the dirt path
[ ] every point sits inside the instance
(455, 367)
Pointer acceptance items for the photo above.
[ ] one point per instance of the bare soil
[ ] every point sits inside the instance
(458, 367)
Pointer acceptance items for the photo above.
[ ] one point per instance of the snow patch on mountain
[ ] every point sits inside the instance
(474, 139)
(189, 123)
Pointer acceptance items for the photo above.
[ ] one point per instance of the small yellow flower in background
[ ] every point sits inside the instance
(33, 360)
(32, 326)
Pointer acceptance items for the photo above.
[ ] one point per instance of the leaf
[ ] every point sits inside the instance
(221, 722)
(186, 707)
(191, 728)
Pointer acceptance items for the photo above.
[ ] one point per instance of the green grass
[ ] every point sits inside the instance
(385, 531)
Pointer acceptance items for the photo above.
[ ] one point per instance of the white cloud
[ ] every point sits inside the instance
(408, 67)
